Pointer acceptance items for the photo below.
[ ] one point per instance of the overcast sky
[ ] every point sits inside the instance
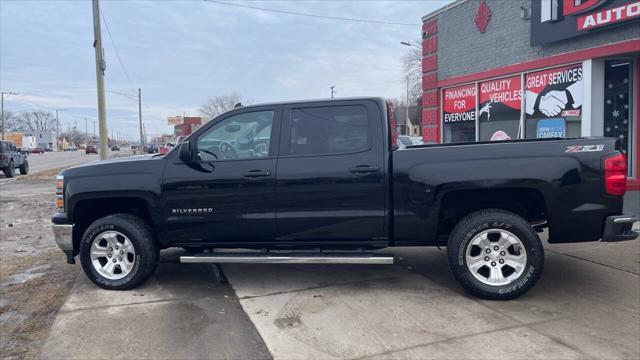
(182, 52)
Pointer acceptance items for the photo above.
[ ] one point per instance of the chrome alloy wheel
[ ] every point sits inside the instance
(496, 257)
(112, 255)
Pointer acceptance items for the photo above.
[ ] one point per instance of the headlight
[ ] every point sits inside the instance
(60, 193)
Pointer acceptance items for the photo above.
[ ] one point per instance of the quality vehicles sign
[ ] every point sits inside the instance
(499, 108)
(554, 20)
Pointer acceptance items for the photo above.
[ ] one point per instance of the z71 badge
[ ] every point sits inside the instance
(585, 148)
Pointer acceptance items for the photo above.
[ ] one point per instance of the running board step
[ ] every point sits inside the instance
(323, 258)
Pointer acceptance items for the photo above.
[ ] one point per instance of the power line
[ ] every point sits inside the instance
(115, 48)
(311, 15)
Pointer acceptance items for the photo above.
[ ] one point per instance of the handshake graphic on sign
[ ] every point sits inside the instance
(555, 101)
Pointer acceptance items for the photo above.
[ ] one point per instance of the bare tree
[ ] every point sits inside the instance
(11, 122)
(412, 64)
(220, 104)
(38, 120)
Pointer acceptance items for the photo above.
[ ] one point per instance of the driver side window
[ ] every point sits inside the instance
(242, 136)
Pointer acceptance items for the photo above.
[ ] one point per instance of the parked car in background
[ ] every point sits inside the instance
(417, 140)
(37, 150)
(166, 148)
(48, 149)
(91, 149)
(152, 149)
(115, 148)
(404, 141)
(71, 148)
(11, 159)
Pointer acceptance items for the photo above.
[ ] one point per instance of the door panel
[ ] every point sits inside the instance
(229, 195)
(330, 182)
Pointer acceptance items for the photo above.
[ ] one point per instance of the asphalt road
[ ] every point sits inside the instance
(56, 160)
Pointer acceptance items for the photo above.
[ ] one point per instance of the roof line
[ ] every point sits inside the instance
(443, 9)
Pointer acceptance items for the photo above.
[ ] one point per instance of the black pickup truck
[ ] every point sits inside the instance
(325, 182)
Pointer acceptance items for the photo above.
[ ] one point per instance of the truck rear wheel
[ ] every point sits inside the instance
(24, 168)
(10, 170)
(118, 252)
(495, 254)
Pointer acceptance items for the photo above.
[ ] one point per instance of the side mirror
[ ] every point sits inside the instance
(184, 152)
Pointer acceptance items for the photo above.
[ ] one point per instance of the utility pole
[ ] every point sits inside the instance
(140, 116)
(332, 91)
(86, 133)
(94, 129)
(2, 93)
(100, 68)
(58, 128)
(407, 108)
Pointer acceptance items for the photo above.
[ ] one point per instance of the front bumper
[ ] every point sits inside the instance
(618, 228)
(63, 233)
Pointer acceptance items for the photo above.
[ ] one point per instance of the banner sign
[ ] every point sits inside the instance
(551, 128)
(554, 92)
(459, 104)
(554, 20)
(175, 120)
(500, 99)
(499, 108)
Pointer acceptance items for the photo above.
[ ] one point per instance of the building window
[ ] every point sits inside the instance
(459, 114)
(499, 108)
(553, 102)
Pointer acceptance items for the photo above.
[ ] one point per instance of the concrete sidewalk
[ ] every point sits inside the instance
(416, 310)
(587, 305)
(183, 312)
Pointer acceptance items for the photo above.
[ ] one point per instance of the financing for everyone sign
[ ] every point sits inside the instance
(459, 104)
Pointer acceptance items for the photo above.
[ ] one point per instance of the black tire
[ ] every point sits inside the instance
(139, 234)
(476, 223)
(10, 170)
(24, 168)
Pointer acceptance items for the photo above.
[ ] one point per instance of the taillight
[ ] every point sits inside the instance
(393, 127)
(615, 174)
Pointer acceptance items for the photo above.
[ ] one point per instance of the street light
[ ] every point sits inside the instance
(407, 43)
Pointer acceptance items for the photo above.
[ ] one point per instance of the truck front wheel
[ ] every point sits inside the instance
(118, 252)
(495, 254)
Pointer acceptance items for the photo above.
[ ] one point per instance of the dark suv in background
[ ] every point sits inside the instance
(12, 158)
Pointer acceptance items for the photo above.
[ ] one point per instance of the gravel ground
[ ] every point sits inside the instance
(34, 277)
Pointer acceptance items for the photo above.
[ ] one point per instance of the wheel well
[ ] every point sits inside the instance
(527, 203)
(86, 212)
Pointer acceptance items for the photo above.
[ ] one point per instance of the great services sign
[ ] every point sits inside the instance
(554, 20)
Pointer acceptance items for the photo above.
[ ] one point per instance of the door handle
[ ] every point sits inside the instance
(255, 174)
(363, 169)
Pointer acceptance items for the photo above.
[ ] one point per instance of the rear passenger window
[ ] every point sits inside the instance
(328, 130)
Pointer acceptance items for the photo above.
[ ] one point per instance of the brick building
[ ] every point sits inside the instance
(495, 70)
